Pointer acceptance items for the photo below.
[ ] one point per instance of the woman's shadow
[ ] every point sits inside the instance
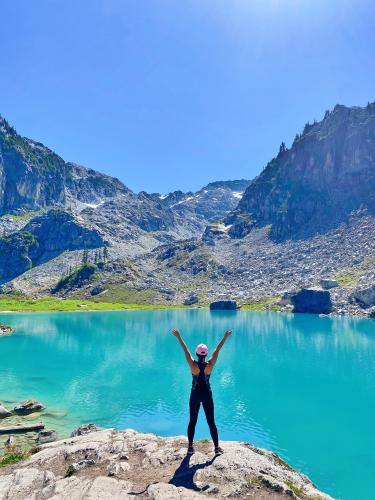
(184, 474)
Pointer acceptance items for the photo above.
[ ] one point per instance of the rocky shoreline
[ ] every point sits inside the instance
(111, 464)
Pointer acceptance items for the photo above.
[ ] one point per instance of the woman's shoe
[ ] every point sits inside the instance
(190, 450)
(218, 450)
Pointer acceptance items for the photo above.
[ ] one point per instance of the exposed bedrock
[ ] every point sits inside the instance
(111, 464)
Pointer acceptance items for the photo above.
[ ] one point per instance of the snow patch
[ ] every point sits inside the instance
(163, 196)
(94, 205)
(182, 201)
(237, 194)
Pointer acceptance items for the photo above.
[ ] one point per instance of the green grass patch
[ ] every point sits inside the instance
(297, 491)
(12, 457)
(347, 280)
(69, 471)
(25, 216)
(122, 293)
(8, 303)
(263, 303)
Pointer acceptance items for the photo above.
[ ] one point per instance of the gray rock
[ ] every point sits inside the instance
(243, 471)
(326, 284)
(365, 296)
(5, 329)
(191, 299)
(10, 442)
(28, 406)
(96, 290)
(4, 412)
(312, 300)
(47, 436)
(85, 429)
(309, 188)
(223, 305)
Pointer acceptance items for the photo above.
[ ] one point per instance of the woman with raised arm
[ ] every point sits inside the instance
(201, 389)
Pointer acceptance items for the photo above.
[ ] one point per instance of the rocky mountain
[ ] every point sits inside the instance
(49, 206)
(211, 203)
(33, 177)
(308, 216)
(314, 186)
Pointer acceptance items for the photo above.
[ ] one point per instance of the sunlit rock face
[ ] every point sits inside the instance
(312, 187)
(34, 177)
(123, 464)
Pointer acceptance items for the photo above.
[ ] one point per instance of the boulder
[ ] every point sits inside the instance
(286, 298)
(5, 329)
(312, 300)
(326, 284)
(220, 305)
(28, 406)
(85, 429)
(365, 297)
(47, 437)
(4, 412)
(191, 299)
(10, 442)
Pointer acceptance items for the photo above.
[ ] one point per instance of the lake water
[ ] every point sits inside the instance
(300, 385)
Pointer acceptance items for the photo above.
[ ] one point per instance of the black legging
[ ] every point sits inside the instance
(196, 398)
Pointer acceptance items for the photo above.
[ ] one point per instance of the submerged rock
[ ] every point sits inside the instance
(312, 300)
(223, 305)
(4, 412)
(47, 437)
(28, 406)
(153, 468)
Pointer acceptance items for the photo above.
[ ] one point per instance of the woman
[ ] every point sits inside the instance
(201, 389)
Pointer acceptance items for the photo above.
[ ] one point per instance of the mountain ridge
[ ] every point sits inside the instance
(312, 187)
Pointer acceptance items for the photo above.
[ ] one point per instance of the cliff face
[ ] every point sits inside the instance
(111, 464)
(43, 238)
(34, 177)
(328, 173)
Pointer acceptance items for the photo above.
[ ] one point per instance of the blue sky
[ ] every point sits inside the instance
(172, 94)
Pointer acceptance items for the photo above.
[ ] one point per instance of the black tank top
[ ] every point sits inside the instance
(201, 382)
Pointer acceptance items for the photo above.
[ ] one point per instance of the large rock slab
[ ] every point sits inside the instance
(365, 296)
(312, 300)
(111, 464)
(220, 305)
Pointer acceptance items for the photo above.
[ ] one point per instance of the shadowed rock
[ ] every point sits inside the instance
(220, 305)
(312, 300)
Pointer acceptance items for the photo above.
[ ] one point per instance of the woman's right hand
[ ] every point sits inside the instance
(227, 333)
(175, 332)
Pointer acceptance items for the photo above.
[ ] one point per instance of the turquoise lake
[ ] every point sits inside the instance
(300, 385)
